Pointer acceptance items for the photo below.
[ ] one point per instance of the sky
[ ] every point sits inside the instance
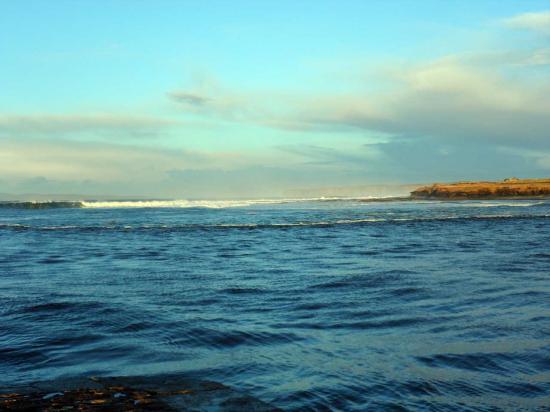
(229, 99)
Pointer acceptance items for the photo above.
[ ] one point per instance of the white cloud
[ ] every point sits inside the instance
(535, 21)
(451, 99)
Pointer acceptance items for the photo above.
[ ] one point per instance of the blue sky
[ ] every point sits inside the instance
(255, 99)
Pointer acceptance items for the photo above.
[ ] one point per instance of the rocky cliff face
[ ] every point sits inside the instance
(508, 188)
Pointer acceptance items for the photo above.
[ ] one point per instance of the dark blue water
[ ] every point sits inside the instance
(312, 305)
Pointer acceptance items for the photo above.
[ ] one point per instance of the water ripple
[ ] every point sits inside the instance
(326, 306)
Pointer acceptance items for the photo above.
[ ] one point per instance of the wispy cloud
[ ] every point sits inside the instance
(192, 99)
(212, 100)
(513, 58)
(534, 21)
(64, 159)
(97, 124)
(63, 166)
(331, 157)
(540, 158)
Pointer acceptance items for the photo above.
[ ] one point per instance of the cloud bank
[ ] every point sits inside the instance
(448, 99)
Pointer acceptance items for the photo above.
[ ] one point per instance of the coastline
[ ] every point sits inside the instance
(508, 189)
(480, 197)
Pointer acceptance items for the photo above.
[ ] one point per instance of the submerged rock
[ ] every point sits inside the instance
(129, 393)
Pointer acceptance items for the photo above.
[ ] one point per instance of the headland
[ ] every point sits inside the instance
(511, 188)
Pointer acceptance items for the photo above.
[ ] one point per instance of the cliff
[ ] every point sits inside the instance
(508, 188)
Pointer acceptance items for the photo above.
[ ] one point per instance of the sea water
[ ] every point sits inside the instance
(322, 304)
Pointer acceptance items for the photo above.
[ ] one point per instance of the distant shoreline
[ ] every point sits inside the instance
(435, 199)
(509, 189)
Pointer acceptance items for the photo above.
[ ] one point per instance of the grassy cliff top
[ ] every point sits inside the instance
(508, 188)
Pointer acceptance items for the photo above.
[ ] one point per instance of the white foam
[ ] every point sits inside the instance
(501, 204)
(213, 204)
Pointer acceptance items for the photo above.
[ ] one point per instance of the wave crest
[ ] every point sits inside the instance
(210, 204)
(274, 225)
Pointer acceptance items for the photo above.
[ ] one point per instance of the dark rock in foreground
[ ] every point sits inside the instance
(131, 393)
(39, 205)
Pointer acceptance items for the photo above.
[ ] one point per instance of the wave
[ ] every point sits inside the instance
(502, 204)
(180, 203)
(211, 204)
(216, 204)
(222, 204)
(277, 225)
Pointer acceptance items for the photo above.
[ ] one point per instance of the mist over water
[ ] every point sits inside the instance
(312, 304)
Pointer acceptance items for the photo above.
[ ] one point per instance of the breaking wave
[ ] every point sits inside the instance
(222, 204)
(502, 204)
(179, 203)
(211, 204)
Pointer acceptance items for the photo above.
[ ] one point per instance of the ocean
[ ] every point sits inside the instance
(312, 304)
